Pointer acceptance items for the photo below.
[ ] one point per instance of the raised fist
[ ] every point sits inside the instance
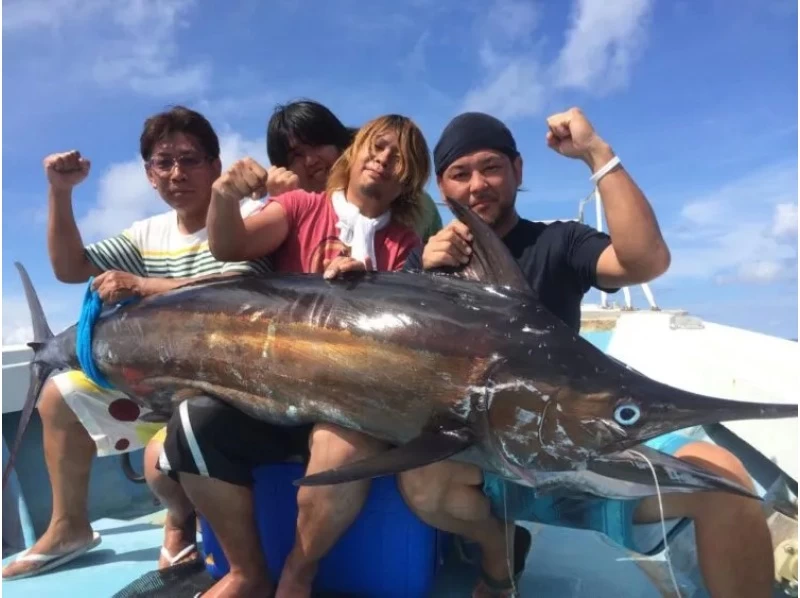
(245, 178)
(281, 180)
(65, 170)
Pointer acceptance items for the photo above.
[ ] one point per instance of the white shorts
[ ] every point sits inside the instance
(112, 419)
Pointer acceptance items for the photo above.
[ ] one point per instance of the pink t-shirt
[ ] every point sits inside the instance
(313, 240)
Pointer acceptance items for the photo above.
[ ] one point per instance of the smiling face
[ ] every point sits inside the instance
(182, 173)
(486, 181)
(311, 164)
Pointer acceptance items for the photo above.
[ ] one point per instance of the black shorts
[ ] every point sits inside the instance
(208, 437)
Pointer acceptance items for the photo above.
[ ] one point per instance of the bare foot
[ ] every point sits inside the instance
(60, 538)
(240, 585)
(296, 580)
(179, 542)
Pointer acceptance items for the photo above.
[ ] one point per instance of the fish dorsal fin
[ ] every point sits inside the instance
(491, 261)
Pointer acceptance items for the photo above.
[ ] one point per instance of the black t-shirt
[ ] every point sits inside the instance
(559, 260)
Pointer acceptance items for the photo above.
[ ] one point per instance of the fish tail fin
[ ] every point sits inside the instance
(40, 370)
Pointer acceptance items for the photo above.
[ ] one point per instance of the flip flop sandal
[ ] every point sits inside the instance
(51, 561)
(174, 559)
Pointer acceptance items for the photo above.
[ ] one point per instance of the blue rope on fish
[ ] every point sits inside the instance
(90, 312)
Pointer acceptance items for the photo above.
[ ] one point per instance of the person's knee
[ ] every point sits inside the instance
(422, 492)
(716, 459)
(152, 453)
(52, 407)
(710, 505)
(427, 489)
(340, 445)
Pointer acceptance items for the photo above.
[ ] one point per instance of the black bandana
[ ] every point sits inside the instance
(472, 132)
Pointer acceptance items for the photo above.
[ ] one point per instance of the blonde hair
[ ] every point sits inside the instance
(414, 166)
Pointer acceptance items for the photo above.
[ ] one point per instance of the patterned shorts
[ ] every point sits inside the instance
(113, 420)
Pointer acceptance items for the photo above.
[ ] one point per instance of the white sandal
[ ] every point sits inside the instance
(51, 561)
(174, 559)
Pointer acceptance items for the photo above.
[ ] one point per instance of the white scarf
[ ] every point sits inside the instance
(356, 230)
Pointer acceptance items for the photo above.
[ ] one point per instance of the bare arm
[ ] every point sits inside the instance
(64, 243)
(114, 286)
(638, 252)
(232, 238)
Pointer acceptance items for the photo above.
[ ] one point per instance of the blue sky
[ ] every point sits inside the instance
(699, 99)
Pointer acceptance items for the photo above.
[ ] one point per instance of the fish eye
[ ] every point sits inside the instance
(627, 415)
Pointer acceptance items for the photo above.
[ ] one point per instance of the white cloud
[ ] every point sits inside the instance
(233, 146)
(784, 221)
(516, 91)
(744, 231)
(122, 44)
(125, 194)
(604, 41)
(22, 15)
(511, 20)
(17, 328)
(760, 271)
(703, 212)
(512, 85)
(601, 46)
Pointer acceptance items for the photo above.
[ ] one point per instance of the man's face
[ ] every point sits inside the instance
(486, 181)
(182, 173)
(375, 169)
(312, 164)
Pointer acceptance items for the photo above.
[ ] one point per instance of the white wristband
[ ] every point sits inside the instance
(612, 163)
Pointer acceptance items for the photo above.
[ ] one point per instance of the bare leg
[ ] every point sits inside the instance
(448, 496)
(180, 525)
(228, 508)
(68, 454)
(325, 512)
(733, 540)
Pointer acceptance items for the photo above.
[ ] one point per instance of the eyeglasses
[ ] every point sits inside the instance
(165, 164)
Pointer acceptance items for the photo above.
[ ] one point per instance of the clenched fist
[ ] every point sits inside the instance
(65, 170)
(571, 134)
(245, 178)
(281, 180)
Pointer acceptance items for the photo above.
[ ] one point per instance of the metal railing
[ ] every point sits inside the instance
(598, 205)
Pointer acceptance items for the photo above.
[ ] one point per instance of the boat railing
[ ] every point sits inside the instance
(626, 291)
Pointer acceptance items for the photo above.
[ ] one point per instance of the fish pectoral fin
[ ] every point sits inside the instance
(434, 444)
(673, 474)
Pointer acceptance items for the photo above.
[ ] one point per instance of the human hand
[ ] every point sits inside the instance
(449, 247)
(245, 178)
(66, 169)
(342, 264)
(281, 180)
(114, 286)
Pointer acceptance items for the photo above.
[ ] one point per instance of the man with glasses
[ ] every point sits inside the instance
(181, 154)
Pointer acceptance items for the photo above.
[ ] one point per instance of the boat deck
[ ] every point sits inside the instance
(563, 563)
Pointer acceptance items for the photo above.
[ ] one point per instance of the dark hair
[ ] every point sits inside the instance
(178, 119)
(308, 122)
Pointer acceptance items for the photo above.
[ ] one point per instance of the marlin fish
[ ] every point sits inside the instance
(469, 367)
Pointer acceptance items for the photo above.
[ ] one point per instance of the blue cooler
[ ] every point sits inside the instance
(387, 552)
